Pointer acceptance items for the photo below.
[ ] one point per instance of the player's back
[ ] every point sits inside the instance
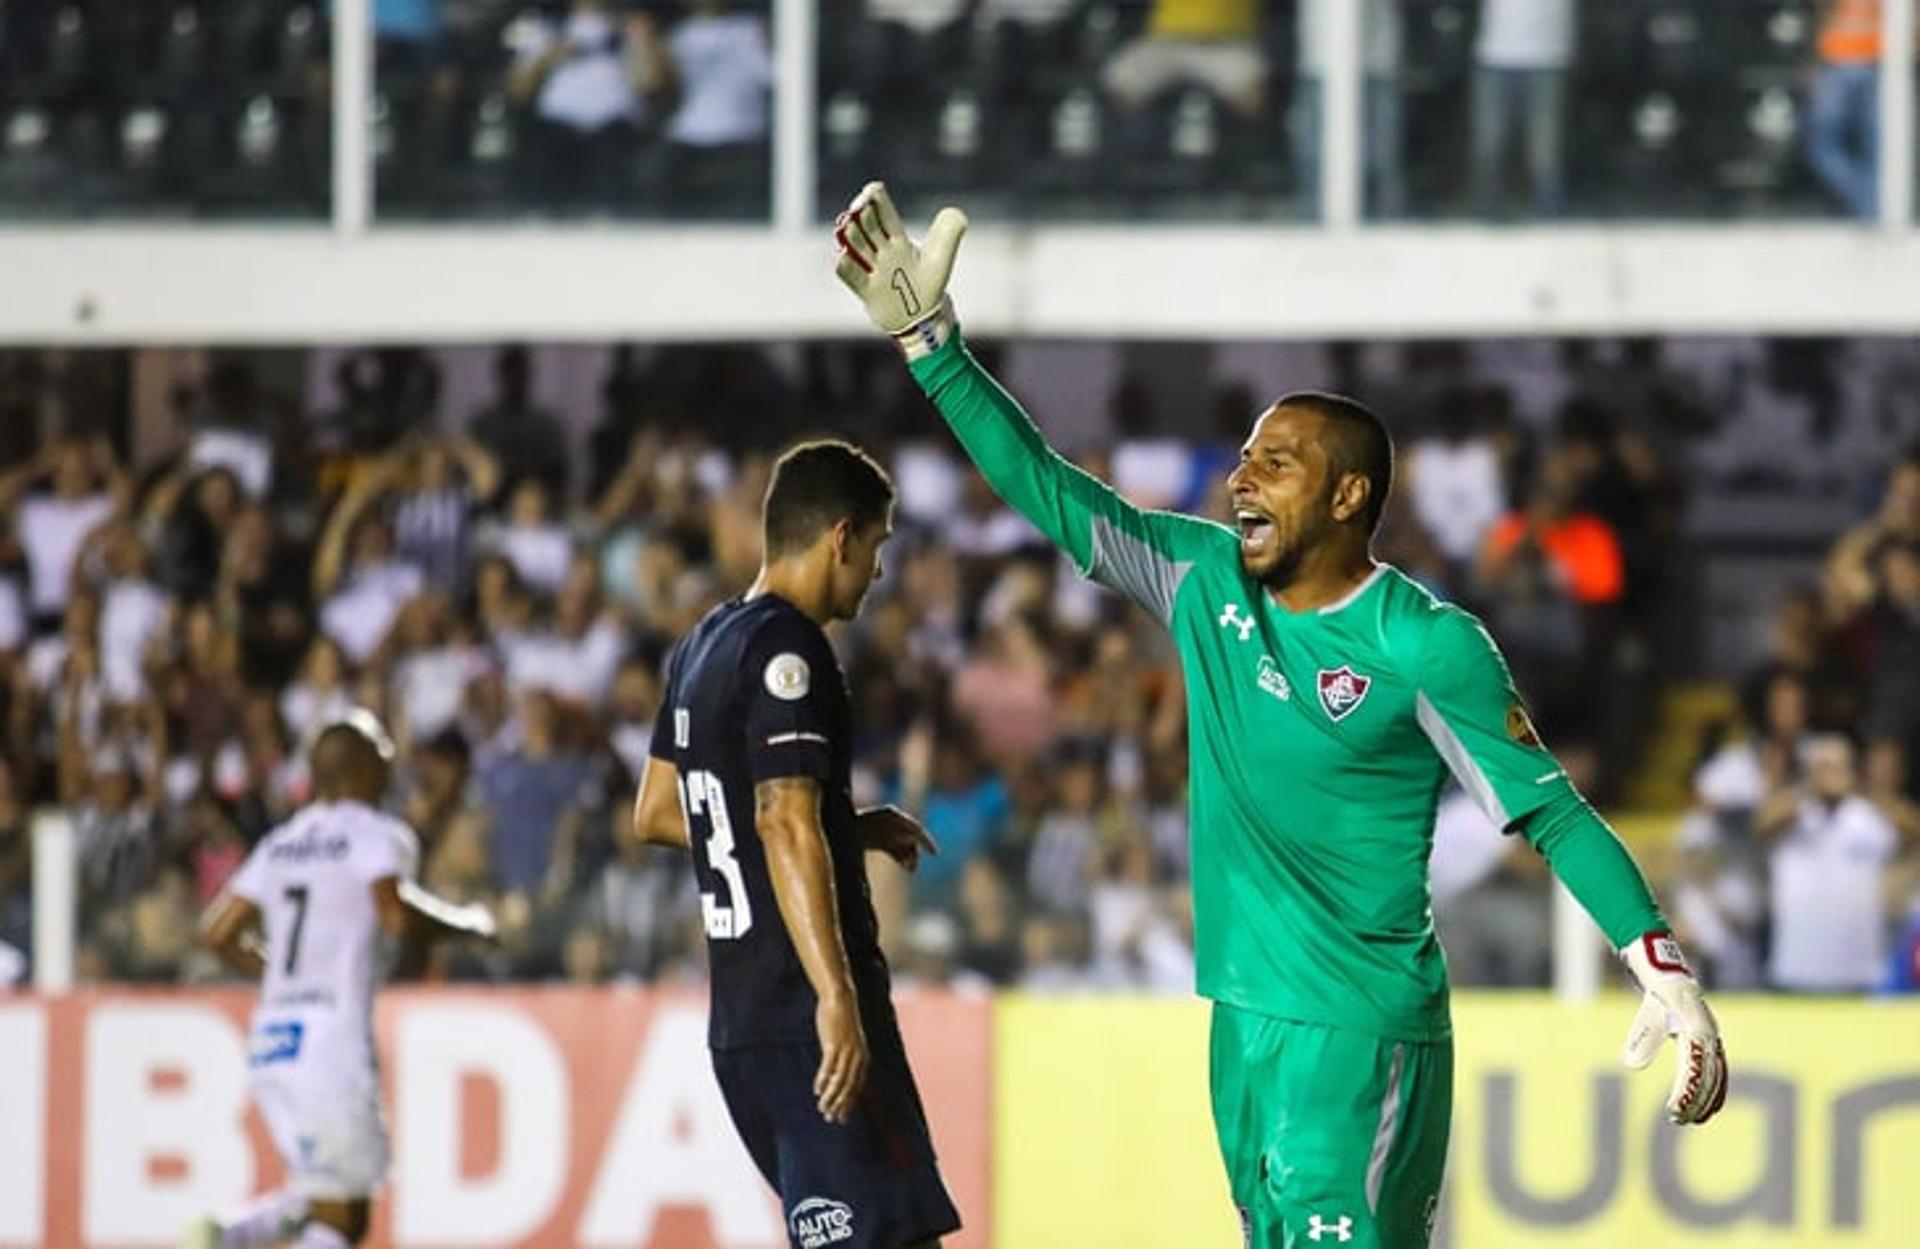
(312, 879)
(754, 693)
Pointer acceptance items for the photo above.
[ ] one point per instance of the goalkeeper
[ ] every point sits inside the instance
(1328, 698)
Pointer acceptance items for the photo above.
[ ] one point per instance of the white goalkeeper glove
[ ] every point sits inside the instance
(1674, 1007)
(902, 283)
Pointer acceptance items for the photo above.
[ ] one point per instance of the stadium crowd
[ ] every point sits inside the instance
(173, 635)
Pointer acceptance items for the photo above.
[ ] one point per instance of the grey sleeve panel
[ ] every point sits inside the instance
(1133, 567)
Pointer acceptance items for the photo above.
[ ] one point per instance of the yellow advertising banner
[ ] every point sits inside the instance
(1102, 1134)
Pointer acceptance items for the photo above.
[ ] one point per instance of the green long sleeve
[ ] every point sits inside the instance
(1597, 869)
(1143, 554)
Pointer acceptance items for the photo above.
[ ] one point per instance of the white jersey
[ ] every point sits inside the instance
(314, 1070)
(1829, 912)
(312, 879)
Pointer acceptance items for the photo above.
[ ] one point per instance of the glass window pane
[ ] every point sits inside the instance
(588, 108)
(192, 109)
(1544, 109)
(1065, 108)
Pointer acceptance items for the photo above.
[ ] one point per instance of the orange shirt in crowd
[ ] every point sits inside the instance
(1582, 547)
(1850, 33)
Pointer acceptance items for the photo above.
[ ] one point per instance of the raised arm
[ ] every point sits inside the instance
(904, 286)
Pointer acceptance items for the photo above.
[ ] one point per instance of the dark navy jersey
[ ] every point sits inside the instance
(754, 693)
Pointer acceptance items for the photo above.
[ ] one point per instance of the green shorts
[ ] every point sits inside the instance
(1330, 1137)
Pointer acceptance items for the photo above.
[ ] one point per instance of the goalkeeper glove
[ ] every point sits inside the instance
(902, 283)
(1673, 1006)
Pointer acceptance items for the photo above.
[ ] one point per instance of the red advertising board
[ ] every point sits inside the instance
(530, 1117)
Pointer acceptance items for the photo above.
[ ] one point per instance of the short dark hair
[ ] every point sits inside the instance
(815, 486)
(1358, 443)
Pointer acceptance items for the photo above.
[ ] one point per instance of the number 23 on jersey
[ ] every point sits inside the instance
(701, 795)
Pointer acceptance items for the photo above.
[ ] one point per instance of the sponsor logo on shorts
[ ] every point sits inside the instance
(1274, 681)
(1341, 690)
(818, 1222)
(1340, 1229)
(277, 1043)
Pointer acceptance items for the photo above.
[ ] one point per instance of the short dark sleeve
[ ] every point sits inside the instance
(662, 745)
(793, 680)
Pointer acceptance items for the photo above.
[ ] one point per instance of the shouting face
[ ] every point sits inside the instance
(1289, 493)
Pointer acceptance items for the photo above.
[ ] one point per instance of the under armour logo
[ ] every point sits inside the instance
(1341, 1231)
(1232, 619)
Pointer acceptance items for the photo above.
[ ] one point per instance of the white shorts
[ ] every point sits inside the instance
(1232, 69)
(322, 1108)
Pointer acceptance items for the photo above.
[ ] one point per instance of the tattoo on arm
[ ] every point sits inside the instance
(771, 796)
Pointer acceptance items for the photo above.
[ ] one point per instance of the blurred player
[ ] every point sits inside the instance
(1328, 696)
(326, 887)
(750, 769)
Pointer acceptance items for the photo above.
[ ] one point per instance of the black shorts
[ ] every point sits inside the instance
(869, 1183)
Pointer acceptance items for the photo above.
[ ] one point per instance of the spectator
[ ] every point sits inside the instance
(592, 77)
(192, 511)
(1853, 565)
(1142, 939)
(523, 436)
(113, 795)
(1382, 159)
(1005, 695)
(1061, 859)
(231, 426)
(650, 908)
(428, 657)
(1716, 904)
(202, 692)
(1580, 549)
(1800, 644)
(361, 586)
(438, 484)
(1737, 778)
(1521, 60)
(1830, 852)
(1211, 43)
(1843, 116)
(536, 796)
(1455, 485)
(575, 655)
(134, 611)
(632, 709)
(263, 597)
(64, 674)
(318, 697)
(84, 487)
(964, 808)
(535, 542)
(989, 924)
(723, 71)
(455, 859)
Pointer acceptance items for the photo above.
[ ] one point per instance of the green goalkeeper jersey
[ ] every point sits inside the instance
(1319, 740)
